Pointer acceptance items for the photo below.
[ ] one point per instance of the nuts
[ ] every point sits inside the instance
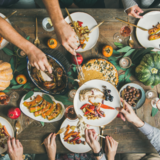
(132, 95)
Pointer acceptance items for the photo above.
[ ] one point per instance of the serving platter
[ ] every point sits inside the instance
(77, 148)
(25, 110)
(149, 20)
(9, 127)
(4, 42)
(40, 87)
(110, 114)
(142, 99)
(89, 21)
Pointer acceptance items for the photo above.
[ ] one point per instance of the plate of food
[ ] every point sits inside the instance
(133, 94)
(150, 38)
(96, 101)
(74, 137)
(84, 23)
(5, 130)
(3, 42)
(99, 69)
(51, 83)
(37, 108)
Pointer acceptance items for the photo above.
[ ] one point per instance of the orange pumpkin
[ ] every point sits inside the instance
(107, 51)
(52, 43)
(5, 75)
(21, 79)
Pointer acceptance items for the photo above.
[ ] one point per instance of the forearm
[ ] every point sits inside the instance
(11, 35)
(54, 11)
(128, 3)
(153, 134)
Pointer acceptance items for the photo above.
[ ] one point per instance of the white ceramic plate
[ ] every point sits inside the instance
(4, 42)
(110, 114)
(142, 100)
(4, 122)
(87, 21)
(148, 20)
(25, 110)
(77, 148)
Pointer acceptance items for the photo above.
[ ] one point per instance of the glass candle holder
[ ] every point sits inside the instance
(150, 94)
(125, 62)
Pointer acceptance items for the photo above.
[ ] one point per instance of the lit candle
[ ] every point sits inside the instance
(125, 62)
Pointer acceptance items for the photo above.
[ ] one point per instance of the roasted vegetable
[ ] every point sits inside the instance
(154, 30)
(154, 37)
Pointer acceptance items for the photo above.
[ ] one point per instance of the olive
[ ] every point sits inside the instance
(137, 95)
(125, 90)
(133, 88)
(111, 98)
(109, 91)
(107, 98)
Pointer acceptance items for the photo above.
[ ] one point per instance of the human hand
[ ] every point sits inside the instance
(129, 115)
(15, 149)
(66, 36)
(91, 139)
(38, 59)
(134, 11)
(50, 145)
(110, 147)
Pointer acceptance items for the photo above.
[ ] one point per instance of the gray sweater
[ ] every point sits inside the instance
(152, 133)
(141, 3)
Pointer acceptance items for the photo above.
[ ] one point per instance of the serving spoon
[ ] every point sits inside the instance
(37, 41)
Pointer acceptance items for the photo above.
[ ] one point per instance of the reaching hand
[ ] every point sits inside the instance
(66, 36)
(15, 149)
(134, 11)
(129, 115)
(91, 139)
(110, 147)
(50, 145)
(38, 59)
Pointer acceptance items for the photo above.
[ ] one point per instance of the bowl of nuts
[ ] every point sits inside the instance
(134, 95)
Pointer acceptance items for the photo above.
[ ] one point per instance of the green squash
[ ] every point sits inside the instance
(148, 71)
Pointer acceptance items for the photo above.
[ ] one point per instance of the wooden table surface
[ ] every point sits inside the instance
(32, 133)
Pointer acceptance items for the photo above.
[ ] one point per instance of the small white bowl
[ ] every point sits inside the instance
(45, 25)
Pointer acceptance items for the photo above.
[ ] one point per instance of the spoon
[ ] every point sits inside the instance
(131, 42)
(37, 41)
(18, 127)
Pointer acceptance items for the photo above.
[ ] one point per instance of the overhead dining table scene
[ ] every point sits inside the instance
(114, 44)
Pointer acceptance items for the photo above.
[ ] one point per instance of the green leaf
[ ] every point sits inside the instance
(116, 65)
(154, 111)
(74, 65)
(112, 58)
(36, 89)
(28, 95)
(152, 86)
(74, 69)
(119, 45)
(42, 123)
(127, 71)
(129, 52)
(124, 49)
(6, 90)
(63, 99)
(121, 77)
(28, 38)
(17, 86)
(27, 85)
(70, 79)
(12, 63)
(69, 73)
(13, 82)
(21, 67)
(115, 52)
(47, 98)
(8, 51)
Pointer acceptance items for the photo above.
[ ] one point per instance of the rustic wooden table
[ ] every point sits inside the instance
(32, 133)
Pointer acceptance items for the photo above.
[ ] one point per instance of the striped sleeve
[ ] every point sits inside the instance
(128, 4)
(153, 134)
